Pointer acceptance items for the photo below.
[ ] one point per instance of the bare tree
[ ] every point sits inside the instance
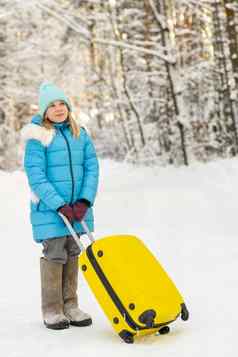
(221, 51)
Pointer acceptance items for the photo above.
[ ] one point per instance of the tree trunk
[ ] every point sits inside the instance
(160, 8)
(225, 91)
(232, 27)
(114, 70)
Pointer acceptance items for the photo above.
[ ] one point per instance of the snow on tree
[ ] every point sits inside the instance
(154, 80)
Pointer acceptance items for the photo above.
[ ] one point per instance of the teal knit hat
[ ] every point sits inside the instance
(48, 94)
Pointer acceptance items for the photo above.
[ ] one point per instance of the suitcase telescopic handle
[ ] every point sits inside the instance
(74, 234)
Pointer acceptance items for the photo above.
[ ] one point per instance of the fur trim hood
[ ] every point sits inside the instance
(37, 132)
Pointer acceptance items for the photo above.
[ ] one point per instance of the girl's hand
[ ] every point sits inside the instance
(80, 208)
(67, 211)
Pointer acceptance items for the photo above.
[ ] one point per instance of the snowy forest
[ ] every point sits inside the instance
(154, 81)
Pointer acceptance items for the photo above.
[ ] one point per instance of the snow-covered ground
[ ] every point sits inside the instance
(187, 216)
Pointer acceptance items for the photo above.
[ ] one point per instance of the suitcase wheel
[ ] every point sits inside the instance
(164, 330)
(127, 336)
(184, 312)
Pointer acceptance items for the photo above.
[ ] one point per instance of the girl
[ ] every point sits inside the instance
(62, 170)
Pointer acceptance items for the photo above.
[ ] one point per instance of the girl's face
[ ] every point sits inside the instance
(57, 111)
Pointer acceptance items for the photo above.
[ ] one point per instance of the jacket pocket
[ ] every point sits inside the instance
(37, 206)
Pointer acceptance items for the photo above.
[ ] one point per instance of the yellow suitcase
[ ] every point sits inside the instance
(134, 291)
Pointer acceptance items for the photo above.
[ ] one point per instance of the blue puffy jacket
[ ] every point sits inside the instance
(60, 170)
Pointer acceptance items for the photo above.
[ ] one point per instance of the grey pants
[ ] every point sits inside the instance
(60, 249)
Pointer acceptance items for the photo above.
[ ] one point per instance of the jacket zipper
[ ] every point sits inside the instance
(70, 165)
(116, 300)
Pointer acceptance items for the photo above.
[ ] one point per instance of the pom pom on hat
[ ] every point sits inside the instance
(50, 93)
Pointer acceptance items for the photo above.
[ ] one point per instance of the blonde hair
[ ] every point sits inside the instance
(75, 129)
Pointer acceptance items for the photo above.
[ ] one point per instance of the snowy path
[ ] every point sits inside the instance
(188, 217)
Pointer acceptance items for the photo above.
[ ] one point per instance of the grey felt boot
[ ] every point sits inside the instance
(51, 295)
(70, 284)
